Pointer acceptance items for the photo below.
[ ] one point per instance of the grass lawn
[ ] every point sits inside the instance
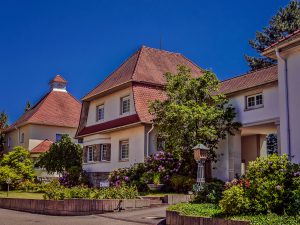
(21, 194)
(210, 210)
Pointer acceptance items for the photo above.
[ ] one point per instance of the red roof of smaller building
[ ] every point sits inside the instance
(249, 80)
(58, 78)
(44, 146)
(123, 121)
(56, 108)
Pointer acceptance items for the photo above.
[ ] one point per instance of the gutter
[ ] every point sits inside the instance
(286, 89)
(148, 139)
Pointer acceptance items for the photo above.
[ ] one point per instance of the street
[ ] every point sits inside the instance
(152, 216)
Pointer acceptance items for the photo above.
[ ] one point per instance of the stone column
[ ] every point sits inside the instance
(235, 155)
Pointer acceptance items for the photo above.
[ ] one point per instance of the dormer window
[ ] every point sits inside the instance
(100, 113)
(254, 101)
(125, 105)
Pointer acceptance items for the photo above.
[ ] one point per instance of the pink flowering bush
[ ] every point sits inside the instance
(162, 163)
(272, 184)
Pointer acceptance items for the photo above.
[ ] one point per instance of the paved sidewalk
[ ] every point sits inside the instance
(135, 217)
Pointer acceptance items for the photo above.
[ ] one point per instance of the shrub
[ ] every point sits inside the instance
(115, 193)
(235, 201)
(182, 183)
(211, 192)
(55, 191)
(160, 166)
(271, 185)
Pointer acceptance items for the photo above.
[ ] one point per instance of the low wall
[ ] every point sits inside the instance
(71, 207)
(174, 218)
(177, 198)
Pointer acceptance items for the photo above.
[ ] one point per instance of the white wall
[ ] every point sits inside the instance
(38, 133)
(270, 110)
(136, 137)
(293, 70)
(111, 106)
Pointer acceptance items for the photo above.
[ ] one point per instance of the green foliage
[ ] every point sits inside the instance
(63, 156)
(210, 193)
(191, 209)
(55, 191)
(285, 22)
(272, 184)
(211, 210)
(3, 125)
(235, 201)
(182, 184)
(192, 113)
(17, 166)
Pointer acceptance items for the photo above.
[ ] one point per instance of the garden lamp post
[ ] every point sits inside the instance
(8, 182)
(200, 155)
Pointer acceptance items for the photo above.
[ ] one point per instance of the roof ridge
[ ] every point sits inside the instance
(40, 103)
(111, 74)
(137, 61)
(247, 73)
(162, 50)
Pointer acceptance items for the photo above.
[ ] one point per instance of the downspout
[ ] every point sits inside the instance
(148, 140)
(287, 103)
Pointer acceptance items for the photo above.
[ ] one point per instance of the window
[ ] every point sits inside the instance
(90, 154)
(58, 137)
(125, 104)
(254, 101)
(100, 112)
(22, 138)
(124, 150)
(161, 144)
(105, 152)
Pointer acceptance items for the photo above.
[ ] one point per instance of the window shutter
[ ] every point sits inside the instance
(108, 152)
(96, 153)
(85, 152)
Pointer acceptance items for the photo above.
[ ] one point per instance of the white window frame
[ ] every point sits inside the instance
(22, 138)
(256, 103)
(98, 118)
(122, 145)
(103, 147)
(123, 100)
(90, 150)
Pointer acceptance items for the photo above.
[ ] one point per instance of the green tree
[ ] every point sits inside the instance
(16, 165)
(63, 156)
(193, 112)
(285, 22)
(3, 125)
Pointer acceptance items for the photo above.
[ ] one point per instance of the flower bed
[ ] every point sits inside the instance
(212, 211)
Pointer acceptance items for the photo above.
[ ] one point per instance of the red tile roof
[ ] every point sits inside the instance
(249, 80)
(58, 78)
(143, 95)
(123, 121)
(44, 146)
(146, 65)
(56, 108)
(284, 39)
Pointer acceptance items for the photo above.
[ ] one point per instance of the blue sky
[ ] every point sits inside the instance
(84, 41)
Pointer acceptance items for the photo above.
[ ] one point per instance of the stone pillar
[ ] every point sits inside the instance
(235, 155)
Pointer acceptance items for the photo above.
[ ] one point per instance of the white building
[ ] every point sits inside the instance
(116, 128)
